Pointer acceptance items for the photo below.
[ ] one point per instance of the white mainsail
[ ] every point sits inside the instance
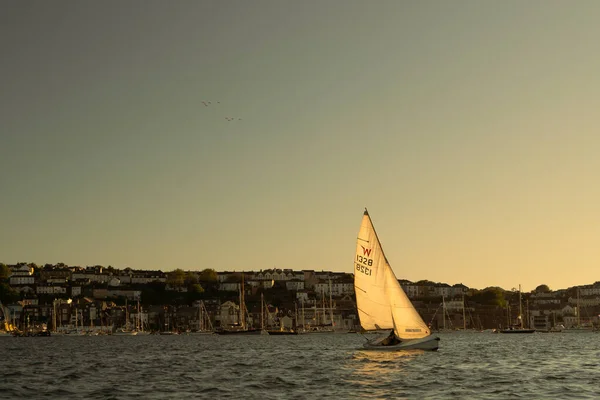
(381, 302)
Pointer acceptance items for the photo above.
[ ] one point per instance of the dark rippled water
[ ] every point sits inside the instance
(468, 365)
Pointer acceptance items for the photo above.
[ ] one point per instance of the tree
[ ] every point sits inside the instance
(176, 278)
(208, 275)
(490, 296)
(542, 289)
(4, 271)
(190, 278)
(425, 283)
(196, 288)
(8, 294)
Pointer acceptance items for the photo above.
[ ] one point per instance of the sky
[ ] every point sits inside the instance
(468, 129)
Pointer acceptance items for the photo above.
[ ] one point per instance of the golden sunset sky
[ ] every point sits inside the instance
(469, 129)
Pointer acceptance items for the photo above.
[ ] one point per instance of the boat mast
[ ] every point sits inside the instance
(240, 310)
(201, 317)
(520, 308)
(578, 310)
(243, 305)
(464, 317)
(443, 313)
(527, 312)
(330, 304)
(262, 312)
(54, 314)
(303, 320)
(296, 316)
(323, 303)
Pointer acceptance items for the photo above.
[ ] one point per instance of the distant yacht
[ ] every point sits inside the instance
(519, 328)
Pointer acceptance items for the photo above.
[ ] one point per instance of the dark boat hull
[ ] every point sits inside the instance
(276, 333)
(426, 343)
(239, 332)
(517, 331)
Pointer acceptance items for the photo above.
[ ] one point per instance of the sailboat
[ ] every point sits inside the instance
(204, 325)
(140, 322)
(518, 328)
(381, 302)
(126, 330)
(242, 328)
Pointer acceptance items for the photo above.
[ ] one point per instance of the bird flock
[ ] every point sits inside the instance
(210, 103)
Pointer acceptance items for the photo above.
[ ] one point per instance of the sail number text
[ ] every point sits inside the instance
(364, 260)
(363, 264)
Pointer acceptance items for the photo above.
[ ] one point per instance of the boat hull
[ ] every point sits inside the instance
(240, 332)
(427, 343)
(517, 331)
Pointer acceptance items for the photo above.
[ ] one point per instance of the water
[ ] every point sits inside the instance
(322, 366)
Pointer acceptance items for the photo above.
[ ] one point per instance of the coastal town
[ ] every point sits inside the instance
(62, 299)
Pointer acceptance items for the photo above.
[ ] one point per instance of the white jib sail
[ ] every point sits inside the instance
(381, 302)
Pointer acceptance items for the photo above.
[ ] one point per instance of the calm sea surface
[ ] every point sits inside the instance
(468, 365)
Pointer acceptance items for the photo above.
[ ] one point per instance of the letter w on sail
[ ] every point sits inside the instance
(366, 252)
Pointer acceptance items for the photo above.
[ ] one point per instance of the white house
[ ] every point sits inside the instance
(302, 296)
(294, 285)
(229, 286)
(585, 302)
(21, 280)
(412, 291)
(275, 274)
(337, 289)
(589, 291)
(228, 314)
(51, 289)
(21, 270)
(101, 278)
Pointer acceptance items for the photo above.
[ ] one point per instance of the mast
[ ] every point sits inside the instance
(54, 315)
(200, 318)
(303, 320)
(330, 304)
(207, 317)
(520, 308)
(323, 303)
(578, 310)
(443, 313)
(262, 312)
(296, 316)
(243, 305)
(527, 312)
(464, 318)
